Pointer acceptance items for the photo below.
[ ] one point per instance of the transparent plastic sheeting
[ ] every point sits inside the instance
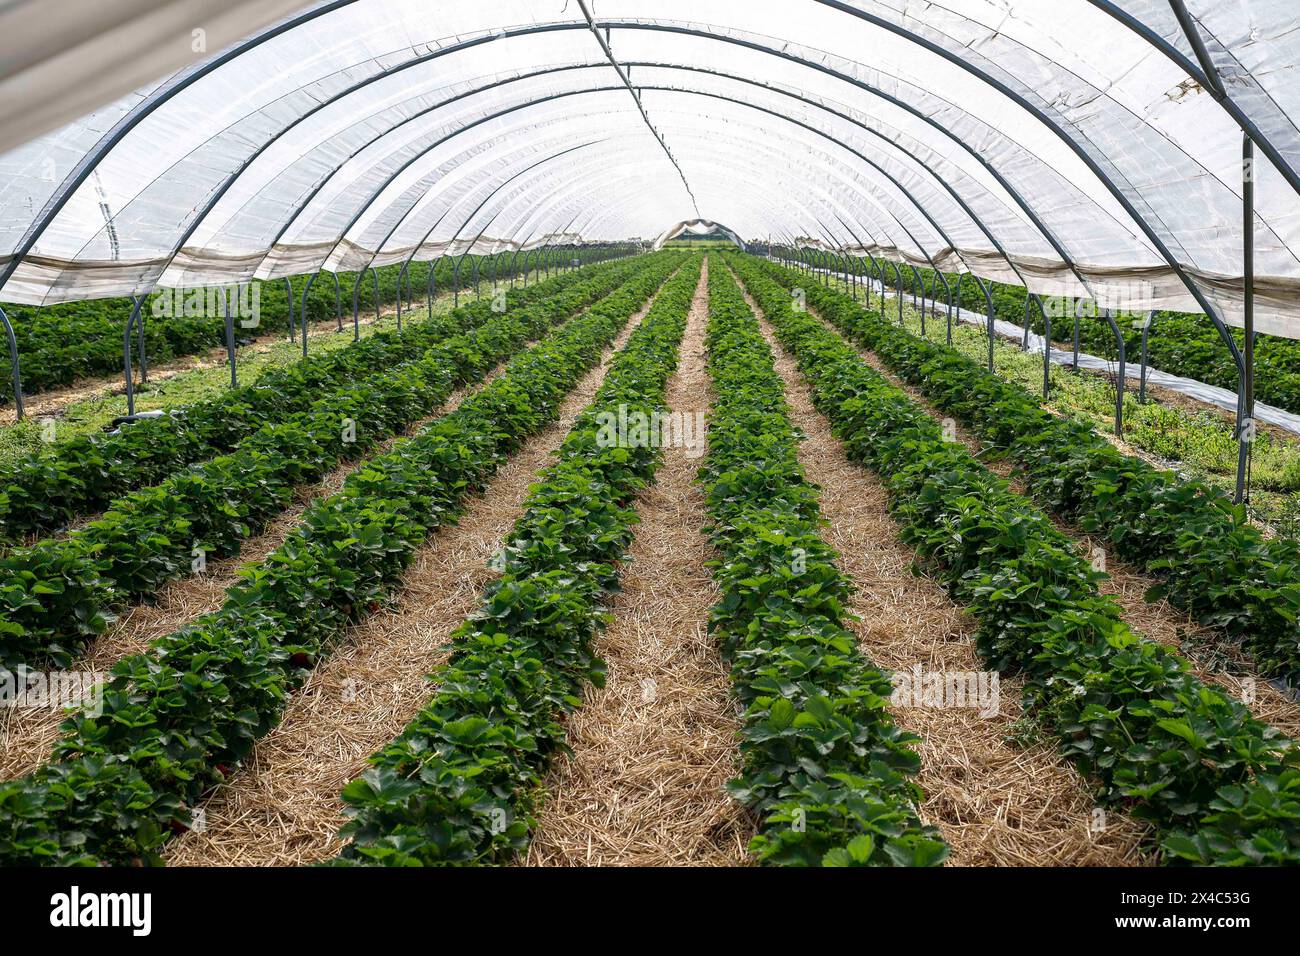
(59, 59)
(1077, 147)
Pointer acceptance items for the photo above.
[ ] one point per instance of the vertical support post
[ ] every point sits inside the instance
(1076, 336)
(1123, 373)
(1142, 379)
(898, 290)
(19, 412)
(455, 281)
(987, 286)
(338, 301)
(230, 335)
(428, 286)
(478, 294)
(374, 274)
(1029, 304)
(136, 305)
(1047, 349)
(1246, 389)
(306, 290)
(356, 303)
(288, 298)
(400, 276)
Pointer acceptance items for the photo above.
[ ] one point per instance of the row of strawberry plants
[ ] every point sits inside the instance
(1211, 560)
(58, 594)
(460, 784)
(45, 490)
(176, 719)
(824, 767)
(1219, 785)
(60, 344)
(1178, 342)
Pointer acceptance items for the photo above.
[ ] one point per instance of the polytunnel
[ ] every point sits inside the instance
(706, 533)
(1090, 149)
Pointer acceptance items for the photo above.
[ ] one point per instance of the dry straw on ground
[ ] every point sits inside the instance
(282, 807)
(653, 750)
(26, 736)
(1214, 658)
(996, 801)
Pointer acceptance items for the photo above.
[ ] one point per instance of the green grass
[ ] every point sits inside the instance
(1199, 443)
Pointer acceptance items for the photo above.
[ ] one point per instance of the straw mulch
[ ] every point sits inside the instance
(1213, 657)
(653, 749)
(27, 736)
(282, 808)
(999, 794)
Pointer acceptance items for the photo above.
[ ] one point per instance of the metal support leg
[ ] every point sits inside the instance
(1142, 378)
(400, 275)
(136, 306)
(230, 337)
(338, 301)
(15, 370)
(306, 290)
(288, 298)
(1119, 383)
(356, 305)
(988, 298)
(1246, 385)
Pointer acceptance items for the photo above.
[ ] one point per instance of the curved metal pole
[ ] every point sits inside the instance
(138, 303)
(748, 44)
(1083, 154)
(1207, 77)
(14, 368)
(338, 301)
(230, 336)
(288, 297)
(306, 290)
(356, 304)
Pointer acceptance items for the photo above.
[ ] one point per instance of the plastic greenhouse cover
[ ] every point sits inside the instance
(1081, 147)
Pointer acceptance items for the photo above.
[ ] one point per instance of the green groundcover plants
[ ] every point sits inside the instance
(824, 767)
(1218, 785)
(61, 344)
(59, 593)
(177, 718)
(1210, 559)
(460, 783)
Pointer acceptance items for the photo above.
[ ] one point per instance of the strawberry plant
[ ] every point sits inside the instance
(1211, 560)
(150, 536)
(459, 785)
(825, 768)
(177, 718)
(45, 490)
(1156, 741)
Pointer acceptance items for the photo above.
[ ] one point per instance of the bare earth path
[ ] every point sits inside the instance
(654, 748)
(282, 808)
(996, 802)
